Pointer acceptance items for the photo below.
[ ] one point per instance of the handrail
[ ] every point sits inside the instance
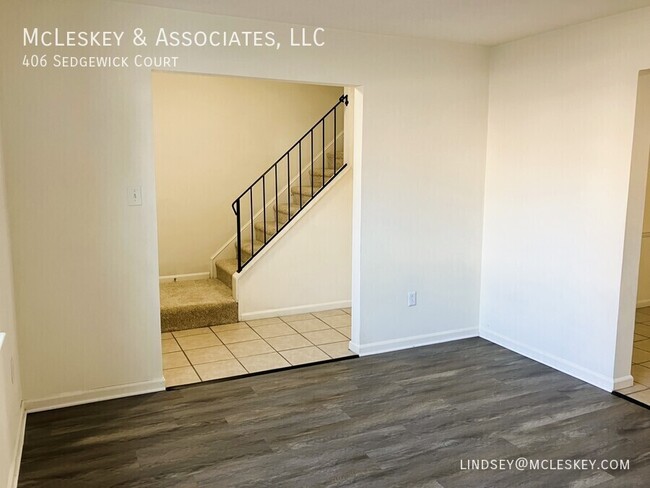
(342, 99)
(237, 203)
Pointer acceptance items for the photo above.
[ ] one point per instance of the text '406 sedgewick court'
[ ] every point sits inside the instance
(60, 61)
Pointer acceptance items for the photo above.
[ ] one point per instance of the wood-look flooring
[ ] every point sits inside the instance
(402, 419)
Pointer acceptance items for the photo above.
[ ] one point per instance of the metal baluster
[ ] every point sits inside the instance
(323, 152)
(237, 204)
(334, 143)
(252, 227)
(238, 213)
(300, 169)
(276, 193)
(264, 203)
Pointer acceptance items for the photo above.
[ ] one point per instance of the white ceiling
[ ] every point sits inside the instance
(486, 22)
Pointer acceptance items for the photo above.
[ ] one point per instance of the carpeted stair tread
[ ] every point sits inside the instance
(318, 172)
(225, 269)
(197, 303)
(246, 247)
(319, 181)
(330, 159)
(283, 210)
(305, 190)
(270, 227)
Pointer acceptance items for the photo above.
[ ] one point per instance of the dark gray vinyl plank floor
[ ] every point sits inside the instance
(399, 419)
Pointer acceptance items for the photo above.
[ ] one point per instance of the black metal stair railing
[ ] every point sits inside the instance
(314, 139)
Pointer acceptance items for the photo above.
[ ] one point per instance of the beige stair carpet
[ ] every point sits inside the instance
(225, 269)
(194, 304)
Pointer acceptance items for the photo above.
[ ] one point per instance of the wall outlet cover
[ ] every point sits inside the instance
(412, 298)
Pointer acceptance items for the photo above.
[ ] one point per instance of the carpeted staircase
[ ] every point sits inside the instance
(226, 268)
(203, 303)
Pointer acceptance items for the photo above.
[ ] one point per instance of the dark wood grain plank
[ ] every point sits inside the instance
(399, 419)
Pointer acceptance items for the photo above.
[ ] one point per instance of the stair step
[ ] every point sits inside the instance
(283, 210)
(246, 248)
(318, 171)
(225, 269)
(271, 228)
(318, 180)
(330, 159)
(307, 181)
(194, 304)
(283, 214)
(306, 190)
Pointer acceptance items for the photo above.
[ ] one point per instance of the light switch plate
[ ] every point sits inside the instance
(134, 196)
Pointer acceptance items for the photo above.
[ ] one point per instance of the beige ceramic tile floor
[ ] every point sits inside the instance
(640, 391)
(210, 353)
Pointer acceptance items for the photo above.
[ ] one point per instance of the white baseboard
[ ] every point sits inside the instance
(413, 341)
(91, 396)
(568, 367)
(623, 382)
(185, 277)
(14, 469)
(643, 303)
(279, 312)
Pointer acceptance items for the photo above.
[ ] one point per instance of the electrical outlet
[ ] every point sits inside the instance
(134, 196)
(412, 298)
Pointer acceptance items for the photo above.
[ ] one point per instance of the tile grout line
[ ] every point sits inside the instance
(201, 380)
(171, 352)
(191, 365)
(277, 351)
(233, 355)
(280, 321)
(232, 352)
(222, 344)
(646, 364)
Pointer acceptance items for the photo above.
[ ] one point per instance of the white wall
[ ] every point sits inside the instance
(85, 264)
(641, 150)
(560, 133)
(11, 411)
(86, 272)
(310, 267)
(213, 136)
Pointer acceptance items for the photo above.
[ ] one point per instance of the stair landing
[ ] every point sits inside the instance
(197, 303)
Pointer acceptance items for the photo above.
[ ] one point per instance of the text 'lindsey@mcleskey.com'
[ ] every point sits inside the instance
(529, 464)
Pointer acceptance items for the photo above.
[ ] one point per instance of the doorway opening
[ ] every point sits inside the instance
(229, 308)
(634, 340)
